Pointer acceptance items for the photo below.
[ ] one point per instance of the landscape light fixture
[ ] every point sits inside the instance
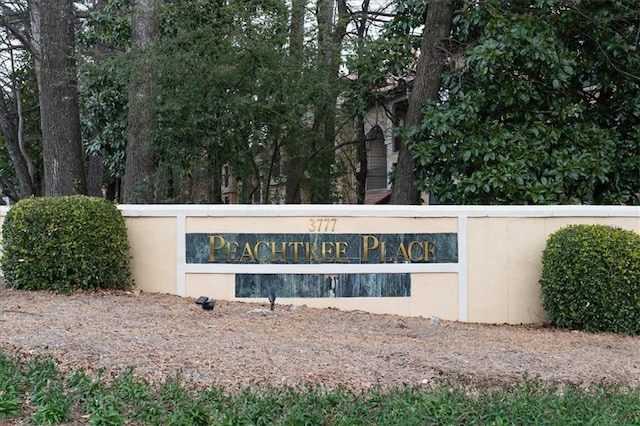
(272, 299)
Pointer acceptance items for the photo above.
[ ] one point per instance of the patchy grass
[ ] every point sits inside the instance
(35, 391)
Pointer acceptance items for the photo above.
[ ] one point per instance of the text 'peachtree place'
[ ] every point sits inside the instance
(321, 248)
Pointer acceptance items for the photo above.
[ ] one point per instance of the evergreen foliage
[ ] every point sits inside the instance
(64, 244)
(104, 101)
(541, 105)
(591, 279)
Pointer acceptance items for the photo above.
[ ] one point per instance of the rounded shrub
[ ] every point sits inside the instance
(591, 279)
(64, 244)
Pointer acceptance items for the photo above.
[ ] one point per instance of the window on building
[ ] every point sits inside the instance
(376, 160)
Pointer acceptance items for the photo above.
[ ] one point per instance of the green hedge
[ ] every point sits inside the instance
(64, 244)
(591, 279)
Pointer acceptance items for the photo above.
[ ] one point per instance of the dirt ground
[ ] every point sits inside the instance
(238, 344)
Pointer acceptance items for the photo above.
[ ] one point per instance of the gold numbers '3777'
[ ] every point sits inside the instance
(322, 224)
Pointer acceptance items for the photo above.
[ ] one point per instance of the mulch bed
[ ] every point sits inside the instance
(239, 344)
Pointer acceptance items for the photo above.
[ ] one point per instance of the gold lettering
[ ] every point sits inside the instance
(232, 248)
(282, 251)
(402, 251)
(259, 253)
(341, 249)
(429, 251)
(216, 242)
(248, 252)
(296, 250)
(369, 242)
(410, 249)
(322, 224)
(311, 252)
(327, 252)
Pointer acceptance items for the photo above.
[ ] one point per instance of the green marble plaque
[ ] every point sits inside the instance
(323, 285)
(319, 248)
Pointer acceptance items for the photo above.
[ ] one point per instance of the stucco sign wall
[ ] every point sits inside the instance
(465, 263)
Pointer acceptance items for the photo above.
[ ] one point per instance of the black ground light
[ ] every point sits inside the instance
(272, 299)
(207, 304)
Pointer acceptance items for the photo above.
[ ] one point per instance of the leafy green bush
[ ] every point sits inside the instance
(64, 244)
(591, 279)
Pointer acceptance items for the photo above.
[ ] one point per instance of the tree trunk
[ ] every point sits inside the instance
(361, 148)
(331, 32)
(361, 160)
(296, 29)
(138, 184)
(8, 128)
(292, 157)
(12, 131)
(95, 174)
(324, 124)
(16, 27)
(52, 26)
(426, 85)
(95, 167)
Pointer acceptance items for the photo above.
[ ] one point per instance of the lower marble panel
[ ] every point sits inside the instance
(323, 285)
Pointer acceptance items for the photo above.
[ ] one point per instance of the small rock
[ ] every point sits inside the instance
(293, 307)
(400, 323)
(435, 320)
